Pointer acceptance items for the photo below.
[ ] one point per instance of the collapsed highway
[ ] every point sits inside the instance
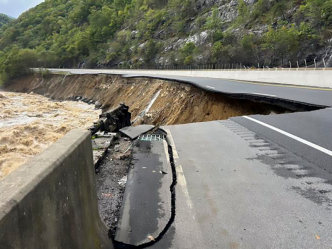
(242, 180)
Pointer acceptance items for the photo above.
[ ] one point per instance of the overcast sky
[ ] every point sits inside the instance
(16, 7)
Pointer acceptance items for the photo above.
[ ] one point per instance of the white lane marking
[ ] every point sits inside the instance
(179, 172)
(265, 94)
(167, 157)
(183, 183)
(210, 87)
(315, 146)
(175, 153)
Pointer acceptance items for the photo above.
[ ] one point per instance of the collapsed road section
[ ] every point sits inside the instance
(135, 185)
(135, 179)
(151, 101)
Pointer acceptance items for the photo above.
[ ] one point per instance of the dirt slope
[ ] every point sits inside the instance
(176, 104)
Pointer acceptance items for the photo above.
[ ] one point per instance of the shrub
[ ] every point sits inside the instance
(44, 73)
(17, 62)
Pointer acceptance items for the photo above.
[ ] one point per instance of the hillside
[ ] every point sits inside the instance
(160, 33)
(4, 19)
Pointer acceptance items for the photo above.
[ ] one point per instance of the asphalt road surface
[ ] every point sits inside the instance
(238, 190)
(308, 135)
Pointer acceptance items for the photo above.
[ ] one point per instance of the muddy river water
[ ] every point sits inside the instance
(29, 123)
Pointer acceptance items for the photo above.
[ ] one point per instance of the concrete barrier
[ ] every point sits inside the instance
(315, 78)
(51, 201)
(304, 77)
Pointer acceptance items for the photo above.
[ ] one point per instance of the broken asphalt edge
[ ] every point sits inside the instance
(121, 245)
(289, 104)
(134, 132)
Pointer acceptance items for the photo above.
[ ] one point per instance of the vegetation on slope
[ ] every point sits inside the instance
(4, 19)
(159, 33)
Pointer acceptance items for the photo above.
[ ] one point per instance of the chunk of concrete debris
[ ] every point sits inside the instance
(97, 157)
(117, 148)
(101, 143)
(97, 105)
(100, 146)
(115, 119)
(122, 182)
(100, 134)
(135, 131)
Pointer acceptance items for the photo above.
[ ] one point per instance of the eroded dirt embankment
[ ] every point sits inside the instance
(176, 103)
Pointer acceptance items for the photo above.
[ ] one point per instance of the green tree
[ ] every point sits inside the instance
(183, 8)
(280, 8)
(218, 35)
(249, 49)
(213, 22)
(319, 12)
(187, 52)
(4, 19)
(149, 51)
(220, 53)
(16, 63)
(260, 8)
(282, 42)
(243, 11)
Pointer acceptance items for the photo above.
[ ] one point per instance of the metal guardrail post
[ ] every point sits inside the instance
(324, 63)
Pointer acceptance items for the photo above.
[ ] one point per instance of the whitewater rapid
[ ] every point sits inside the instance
(29, 123)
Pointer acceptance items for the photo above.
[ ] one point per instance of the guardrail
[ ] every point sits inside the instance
(319, 65)
(304, 77)
(218, 69)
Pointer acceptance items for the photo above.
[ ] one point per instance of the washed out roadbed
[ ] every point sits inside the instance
(111, 177)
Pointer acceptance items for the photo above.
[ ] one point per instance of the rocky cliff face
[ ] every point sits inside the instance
(253, 21)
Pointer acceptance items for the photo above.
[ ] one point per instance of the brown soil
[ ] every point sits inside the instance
(176, 104)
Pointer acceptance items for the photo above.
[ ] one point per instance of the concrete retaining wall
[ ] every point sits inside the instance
(51, 201)
(316, 78)
(308, 77)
